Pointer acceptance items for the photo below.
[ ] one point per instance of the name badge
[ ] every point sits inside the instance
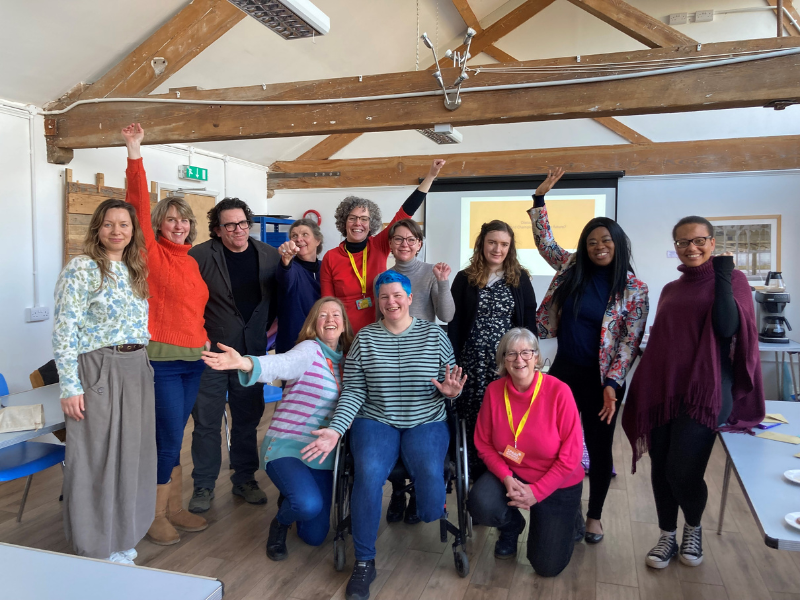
(513, 454)
(363, 303)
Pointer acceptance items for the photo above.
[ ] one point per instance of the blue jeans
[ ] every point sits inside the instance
(376, 448)
(176, 385)
(307, 497)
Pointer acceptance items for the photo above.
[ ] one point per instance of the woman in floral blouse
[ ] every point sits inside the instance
(99, 338)
(597, 308)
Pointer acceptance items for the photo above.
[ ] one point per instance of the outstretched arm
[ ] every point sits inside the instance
(549, 250)
(137, 192)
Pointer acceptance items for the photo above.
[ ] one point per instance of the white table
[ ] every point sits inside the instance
(28, 574)
(791, 349)
(759, 465)
(48, 396)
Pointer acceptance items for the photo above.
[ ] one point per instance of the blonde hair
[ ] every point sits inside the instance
(508, 340)
(184, 211)
(478, 273)
(309, 329)
(134, 255)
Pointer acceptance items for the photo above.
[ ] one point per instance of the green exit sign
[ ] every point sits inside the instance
(196, 173)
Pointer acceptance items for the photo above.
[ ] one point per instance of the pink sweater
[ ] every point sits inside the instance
(551, 439)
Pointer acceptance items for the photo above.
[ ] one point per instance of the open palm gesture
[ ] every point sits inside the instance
(552, 178)
(453, 382)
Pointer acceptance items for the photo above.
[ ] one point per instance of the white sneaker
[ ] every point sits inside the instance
(691, 553)
(120, 558)
(130, 554)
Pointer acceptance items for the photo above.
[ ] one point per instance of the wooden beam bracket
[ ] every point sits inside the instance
(781, 104)
(50, 126)
(281, 175)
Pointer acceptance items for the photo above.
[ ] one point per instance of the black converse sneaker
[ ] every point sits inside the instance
(363, 575)
(664, 550)
(691, 553)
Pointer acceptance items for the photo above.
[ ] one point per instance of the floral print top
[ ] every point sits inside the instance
(624, 319)
(88, 317)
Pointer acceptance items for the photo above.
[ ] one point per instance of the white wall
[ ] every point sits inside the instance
(26, 346)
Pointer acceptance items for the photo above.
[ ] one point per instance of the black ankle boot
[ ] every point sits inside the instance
(397, 506)
(276, 542)
(506, 545)
(411, 517)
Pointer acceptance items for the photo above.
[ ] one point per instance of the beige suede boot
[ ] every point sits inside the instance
(180, 518)
(161, 532)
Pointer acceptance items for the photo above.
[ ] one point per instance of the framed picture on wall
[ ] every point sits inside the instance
(754, 241)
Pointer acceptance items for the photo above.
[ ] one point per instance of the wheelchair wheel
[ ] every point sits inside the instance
(462, 562)
(339, 556)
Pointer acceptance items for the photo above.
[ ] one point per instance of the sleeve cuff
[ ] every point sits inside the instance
(251, 378)
(538, 201)
(413, 202)
(612, 383)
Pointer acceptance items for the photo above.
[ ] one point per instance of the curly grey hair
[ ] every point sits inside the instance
(509, 339)
(347, 205)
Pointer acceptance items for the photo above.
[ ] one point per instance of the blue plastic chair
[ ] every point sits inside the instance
(27, 458)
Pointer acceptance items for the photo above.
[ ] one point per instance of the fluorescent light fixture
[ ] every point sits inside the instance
(442, 134)
(290, 19)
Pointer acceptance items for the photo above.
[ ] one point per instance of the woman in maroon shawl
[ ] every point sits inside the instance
(701, 374)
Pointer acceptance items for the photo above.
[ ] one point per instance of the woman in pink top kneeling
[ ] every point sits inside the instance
(529, 436)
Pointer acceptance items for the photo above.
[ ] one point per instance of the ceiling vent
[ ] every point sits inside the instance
(290, 19)
(442, 134)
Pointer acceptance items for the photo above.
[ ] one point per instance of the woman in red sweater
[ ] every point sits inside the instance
(178, 296)
(529, 435)
(348, 271)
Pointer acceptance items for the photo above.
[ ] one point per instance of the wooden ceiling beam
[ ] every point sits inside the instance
(633, 22)
(329, 146)
(788, 25)
(666, 158)
(738, 85)
(622, 130)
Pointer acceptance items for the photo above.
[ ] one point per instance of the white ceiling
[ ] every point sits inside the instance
(53, 45)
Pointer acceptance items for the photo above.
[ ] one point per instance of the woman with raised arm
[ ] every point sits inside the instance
(178, 297)
(492, 295)
(348, 270)
(597, 308)
(701, 374)
(99, 338)
(313, 369)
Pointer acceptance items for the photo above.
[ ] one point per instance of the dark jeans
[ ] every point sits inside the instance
(176, 385)
(376, 448)
(307, 497)
(553, 521)
(679, 453)
(247, 407)
(599, 436)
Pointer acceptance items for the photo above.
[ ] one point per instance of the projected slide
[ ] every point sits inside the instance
(568, 215)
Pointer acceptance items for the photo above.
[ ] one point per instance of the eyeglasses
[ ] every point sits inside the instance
(243, 225)
(355, 219)
(398, 241)
(524, 354)
(698, 241)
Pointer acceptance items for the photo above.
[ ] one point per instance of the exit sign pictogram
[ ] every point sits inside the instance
(190, 172)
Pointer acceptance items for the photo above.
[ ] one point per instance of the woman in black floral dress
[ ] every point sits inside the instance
(492, 295)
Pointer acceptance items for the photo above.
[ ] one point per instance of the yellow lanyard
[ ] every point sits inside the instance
(527, 412)
(361, 280)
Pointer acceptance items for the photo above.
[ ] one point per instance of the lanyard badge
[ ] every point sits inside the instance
(513, 454)
(365, 301)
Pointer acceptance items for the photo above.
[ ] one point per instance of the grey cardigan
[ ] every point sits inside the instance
(224, 323)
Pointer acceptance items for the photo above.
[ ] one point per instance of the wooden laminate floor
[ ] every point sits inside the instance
(414, 565)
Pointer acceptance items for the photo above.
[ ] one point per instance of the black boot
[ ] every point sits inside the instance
(276, 542)
(397, 505)
(363, 575)
(411, 517)
(506, 545)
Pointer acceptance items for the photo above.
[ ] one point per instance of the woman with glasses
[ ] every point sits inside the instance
(693, 381)
(492, 295)
(529, 435)
(348, 270)
(432, 300)
(597, 308)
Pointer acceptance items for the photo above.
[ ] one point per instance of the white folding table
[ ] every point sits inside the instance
(49, 397)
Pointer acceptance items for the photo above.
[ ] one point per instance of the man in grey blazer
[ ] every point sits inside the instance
(240, 274)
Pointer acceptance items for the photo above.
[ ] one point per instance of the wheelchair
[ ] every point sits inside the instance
(456, 475)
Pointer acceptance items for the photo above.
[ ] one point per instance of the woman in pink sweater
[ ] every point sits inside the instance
(529, 436)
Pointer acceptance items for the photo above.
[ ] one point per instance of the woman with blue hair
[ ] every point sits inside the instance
(397, 375)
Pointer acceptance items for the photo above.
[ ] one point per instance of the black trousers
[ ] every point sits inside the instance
(584, 382)
(553, 522)
(679, 453)
(247, 407)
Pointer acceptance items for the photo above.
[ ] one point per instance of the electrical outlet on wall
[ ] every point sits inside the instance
(703, 16)
(678, 18)
(37, 313)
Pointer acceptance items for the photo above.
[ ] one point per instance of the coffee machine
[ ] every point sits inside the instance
(772, 301)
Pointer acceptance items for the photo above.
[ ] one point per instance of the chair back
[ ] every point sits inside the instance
(3, 386)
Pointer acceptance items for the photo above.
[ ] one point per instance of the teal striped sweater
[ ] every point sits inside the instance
(387, 377)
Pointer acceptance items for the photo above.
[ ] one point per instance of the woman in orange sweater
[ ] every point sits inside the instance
(178, 297)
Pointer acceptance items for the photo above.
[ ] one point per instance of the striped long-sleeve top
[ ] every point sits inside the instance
(387, 376)
(308, 402)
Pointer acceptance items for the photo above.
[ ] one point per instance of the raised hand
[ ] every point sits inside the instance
(609, 404)
(226, 360)
(288, 251)
(133, 134)
(73, 407)
(552, 178)
(453, 382)
(441, 271)
(436, 166)
(326, 441)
